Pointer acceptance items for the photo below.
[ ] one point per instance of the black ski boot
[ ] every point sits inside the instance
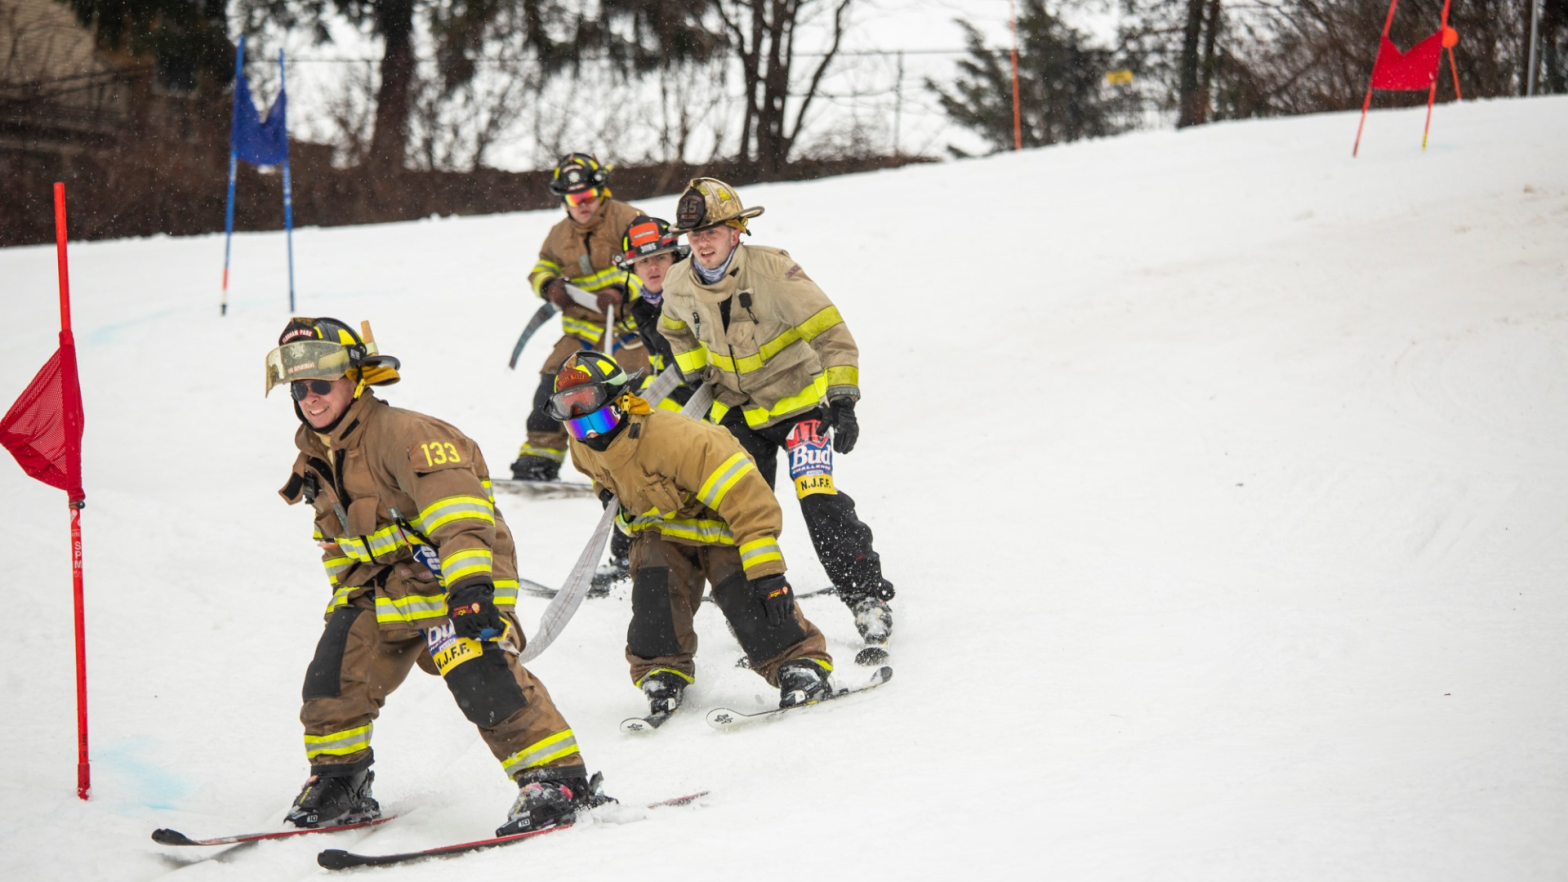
(803, 681)
(663, 689)
(873, 619)
(552, 802)
(535, 468)
(332, 800)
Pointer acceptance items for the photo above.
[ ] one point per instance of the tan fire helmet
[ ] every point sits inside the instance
(326, 349)
(709, 202)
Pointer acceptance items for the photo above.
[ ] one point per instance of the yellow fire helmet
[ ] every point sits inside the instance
(326, 349)
(709, 202)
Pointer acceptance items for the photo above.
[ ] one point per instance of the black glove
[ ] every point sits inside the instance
(841, 416)
(778, 601)
(472, 610)
(605, 495)
(611, 296)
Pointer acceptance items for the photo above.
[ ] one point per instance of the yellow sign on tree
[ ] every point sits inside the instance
(1121, 77)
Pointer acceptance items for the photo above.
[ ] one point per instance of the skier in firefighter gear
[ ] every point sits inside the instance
(749, 319)
(579, 251)
(697, 510)
(423, 570)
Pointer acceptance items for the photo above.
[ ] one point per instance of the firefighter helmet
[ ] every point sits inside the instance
(709, 202)
(577, 172)
(646, 236)
(326, 349)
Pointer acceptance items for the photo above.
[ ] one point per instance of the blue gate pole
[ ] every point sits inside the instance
(288, 192)
(228, 223)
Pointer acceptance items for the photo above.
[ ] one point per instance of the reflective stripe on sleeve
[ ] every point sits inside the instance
(759, 551)
(505, 593)
(468, 562)
(338, 743)
(692, 360)
(723, 478)
(453, 508)
(557, 746)
(412, 609)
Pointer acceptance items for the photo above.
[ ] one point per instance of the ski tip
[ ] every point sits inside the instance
(883, 674)
(165, 836)
(722, 717)
(636, 725)
(336, 859)
(871, 656)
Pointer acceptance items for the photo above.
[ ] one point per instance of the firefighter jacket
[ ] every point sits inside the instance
(690, 482)
(580, 255)
(764, 333)
(404, 511)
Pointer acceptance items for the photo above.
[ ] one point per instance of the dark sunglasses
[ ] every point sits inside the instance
(300, 389)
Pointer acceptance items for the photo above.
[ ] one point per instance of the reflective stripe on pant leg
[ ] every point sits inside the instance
(547, 750)
(338, 743)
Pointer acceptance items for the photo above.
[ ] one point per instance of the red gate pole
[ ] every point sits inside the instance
(1431, 94)
(68, 363)
(1012, 24)
(1367, 102)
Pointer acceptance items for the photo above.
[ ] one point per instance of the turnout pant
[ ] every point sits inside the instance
(357, 665)
(546, 438)
(667, 583)
(842, 541)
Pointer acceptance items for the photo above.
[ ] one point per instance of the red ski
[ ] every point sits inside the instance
(165, 836)
(337, 859)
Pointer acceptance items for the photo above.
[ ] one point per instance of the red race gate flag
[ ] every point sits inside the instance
(1412, 71)
(43, 430)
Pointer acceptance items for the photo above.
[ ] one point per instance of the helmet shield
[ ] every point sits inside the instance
(306, 360)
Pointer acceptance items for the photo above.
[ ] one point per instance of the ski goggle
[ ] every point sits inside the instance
(301, 389)
(597, 423)
(581, 197)
(577, 401)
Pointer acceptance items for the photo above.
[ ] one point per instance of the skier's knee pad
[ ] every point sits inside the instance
(652, 631)
(761, 639)
(485, 688)
(324, 677)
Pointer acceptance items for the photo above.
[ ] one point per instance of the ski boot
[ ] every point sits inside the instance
(803, 681)
(873, 620)
(551, 802)
(663, 689)
(333, 800)
(535, 468)
(617, 568)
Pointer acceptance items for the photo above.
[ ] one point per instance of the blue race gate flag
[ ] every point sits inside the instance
(258, 141)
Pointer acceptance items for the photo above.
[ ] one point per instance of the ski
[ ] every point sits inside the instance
(165, 836)
(338, 859)
(645, 724)
(543, 489)
(540, 317)
(726, 718)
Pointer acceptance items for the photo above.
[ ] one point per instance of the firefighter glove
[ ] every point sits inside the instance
(778, 601)
(472, 610)
(841, 416)
(555, 292)
(609, 297)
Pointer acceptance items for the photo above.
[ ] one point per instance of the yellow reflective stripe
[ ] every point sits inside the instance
(561, 744)
(338, 743)
(546, 452)
(335, 567)
(411, 609)
(340, 597)
(842, 376)
(668, 323)
(814, 326)
(581, 328)
(723, 478)
(600, 280)
(489, 491)
(756, 416)
(543, 271)
(465, 563)
(453, 508)
(670, 404)
(698, 530)
(759, 551)
(383, 542)
(684, 676)
(692, 360)
(505, 592)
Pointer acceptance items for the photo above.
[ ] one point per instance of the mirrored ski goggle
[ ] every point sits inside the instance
(597, 423)
(306, 360)
(581, 197)
(578, 401)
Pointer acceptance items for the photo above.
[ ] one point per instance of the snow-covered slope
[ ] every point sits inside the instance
(1222, 478)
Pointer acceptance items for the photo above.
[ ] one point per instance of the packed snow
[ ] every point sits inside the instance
(1221, 475)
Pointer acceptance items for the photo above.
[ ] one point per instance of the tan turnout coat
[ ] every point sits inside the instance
(786, 349)
(386, 482)
(581, 255)
(692, 484)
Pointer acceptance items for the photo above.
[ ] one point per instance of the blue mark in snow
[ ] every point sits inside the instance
(144, 782)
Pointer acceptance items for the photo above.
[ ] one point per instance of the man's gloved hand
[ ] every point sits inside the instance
(611, 297)
(778, 600)
(472, 610)
(555, 292)
(841, 416)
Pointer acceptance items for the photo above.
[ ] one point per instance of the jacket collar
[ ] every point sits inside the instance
(725, 287)
(350, 430)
